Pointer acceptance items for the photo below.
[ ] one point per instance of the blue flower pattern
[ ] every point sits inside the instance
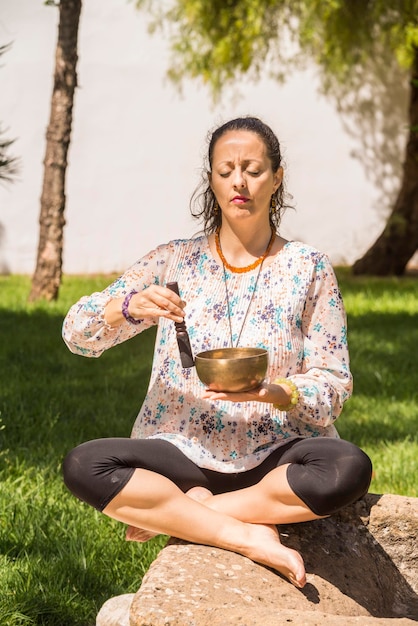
(295, 312)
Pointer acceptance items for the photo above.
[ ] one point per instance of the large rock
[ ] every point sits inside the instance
(361, 569)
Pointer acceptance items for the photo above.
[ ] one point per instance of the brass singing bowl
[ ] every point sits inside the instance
(232, 369)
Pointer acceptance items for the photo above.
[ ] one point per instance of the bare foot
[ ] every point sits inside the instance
(262, 545)
(266, 548)
(139, 534)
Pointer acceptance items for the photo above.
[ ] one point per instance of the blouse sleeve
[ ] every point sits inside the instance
(325, 381)
(85, 330)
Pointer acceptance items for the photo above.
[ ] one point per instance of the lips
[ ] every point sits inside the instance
(239, 199)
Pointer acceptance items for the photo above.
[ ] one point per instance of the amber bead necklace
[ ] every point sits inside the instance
(247, 268)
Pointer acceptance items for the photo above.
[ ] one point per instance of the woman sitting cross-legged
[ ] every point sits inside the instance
(217, 468)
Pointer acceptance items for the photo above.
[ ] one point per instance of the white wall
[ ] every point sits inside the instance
(137, 145)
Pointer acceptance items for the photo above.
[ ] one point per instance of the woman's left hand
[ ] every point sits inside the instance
(274, 394)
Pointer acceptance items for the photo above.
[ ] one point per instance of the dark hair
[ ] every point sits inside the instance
(203, 201)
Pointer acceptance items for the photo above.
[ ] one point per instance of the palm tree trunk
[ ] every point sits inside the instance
(47, 277)
(399, 240)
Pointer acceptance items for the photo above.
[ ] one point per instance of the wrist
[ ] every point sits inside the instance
(125, 308)
(293, 394)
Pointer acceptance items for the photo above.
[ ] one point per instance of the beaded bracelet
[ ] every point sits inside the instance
(294, 398)
(125, 311)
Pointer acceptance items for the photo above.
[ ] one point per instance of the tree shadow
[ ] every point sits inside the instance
(378, 343)
(382, 358)
(45, 413)
(373, 107)
(51, 399)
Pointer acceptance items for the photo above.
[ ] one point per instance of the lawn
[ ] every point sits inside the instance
(59, 559)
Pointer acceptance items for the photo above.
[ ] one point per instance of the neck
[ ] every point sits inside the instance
(246, 260)
(243, 242)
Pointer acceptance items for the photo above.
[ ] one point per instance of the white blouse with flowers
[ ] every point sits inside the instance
(296, 314)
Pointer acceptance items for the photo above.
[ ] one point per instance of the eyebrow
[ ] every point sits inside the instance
(245, 162)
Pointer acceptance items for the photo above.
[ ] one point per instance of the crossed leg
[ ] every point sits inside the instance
(200, 494)
(330, 473)
(242, 521)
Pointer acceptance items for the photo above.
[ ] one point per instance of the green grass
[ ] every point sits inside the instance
(59, 559)
(382, 415)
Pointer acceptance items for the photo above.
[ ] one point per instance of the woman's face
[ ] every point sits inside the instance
(242, 178)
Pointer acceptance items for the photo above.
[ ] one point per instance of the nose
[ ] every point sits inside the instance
(238, 178)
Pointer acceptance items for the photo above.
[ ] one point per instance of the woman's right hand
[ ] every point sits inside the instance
(153, 302)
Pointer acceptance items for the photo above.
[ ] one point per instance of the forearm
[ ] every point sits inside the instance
(113, 315)
(87, 332)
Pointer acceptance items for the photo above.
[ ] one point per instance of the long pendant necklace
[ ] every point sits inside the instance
(258, 263)
(248, 307)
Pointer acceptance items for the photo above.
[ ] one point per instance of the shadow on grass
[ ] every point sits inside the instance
(383, 350)
(384, 364)
(60, 560)
(51, 399)
(64, 568)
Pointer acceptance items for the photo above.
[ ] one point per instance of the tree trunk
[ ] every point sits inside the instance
(47, 277)
(399, 239)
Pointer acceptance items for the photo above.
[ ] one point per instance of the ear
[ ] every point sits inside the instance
(209, 175)
(277, 178)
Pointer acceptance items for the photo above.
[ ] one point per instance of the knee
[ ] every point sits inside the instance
(75, 468)
(95, 473)
(340, 477)
(355, 468)
(352, 481)
(69, 468)
(364, 470)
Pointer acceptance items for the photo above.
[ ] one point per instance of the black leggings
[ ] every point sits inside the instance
(326, 474)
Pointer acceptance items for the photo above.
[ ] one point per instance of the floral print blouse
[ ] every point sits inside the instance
(295, 313)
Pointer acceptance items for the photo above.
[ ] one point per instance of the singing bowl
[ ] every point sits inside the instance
(232, 369)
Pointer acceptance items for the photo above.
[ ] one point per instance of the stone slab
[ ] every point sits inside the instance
(362, 569)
